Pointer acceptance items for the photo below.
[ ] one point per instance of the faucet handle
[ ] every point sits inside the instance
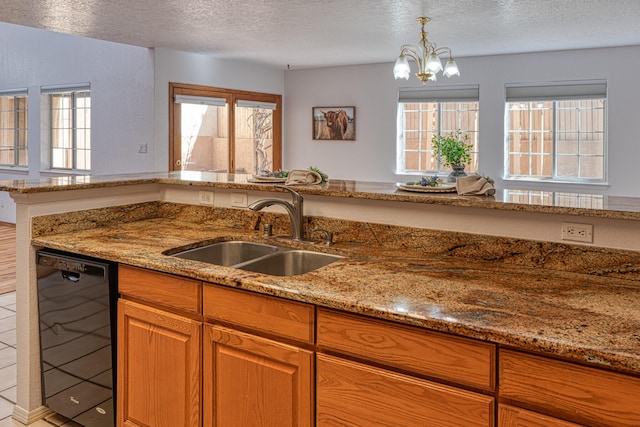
(296, 196)
(328, 235)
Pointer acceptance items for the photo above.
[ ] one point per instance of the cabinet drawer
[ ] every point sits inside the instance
(429, 353)
(581, 394)
(350, 393)
(257, 312)
(510, 416)
(165, 289)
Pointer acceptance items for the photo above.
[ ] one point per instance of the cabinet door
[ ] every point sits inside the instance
(510, 416)
(354, 394)
(253, 381)
(159, 372)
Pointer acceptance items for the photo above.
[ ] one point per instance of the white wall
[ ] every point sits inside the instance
(205, 70)
(121, 79)
(373, 91)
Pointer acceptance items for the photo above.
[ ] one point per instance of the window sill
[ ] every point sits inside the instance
(61, 172)
(554, 185)
(21, 170)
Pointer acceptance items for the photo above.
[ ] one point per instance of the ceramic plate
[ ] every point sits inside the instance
(440, 188)
(272, 179)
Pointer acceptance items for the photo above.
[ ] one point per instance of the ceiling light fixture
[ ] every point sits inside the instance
(427, 58)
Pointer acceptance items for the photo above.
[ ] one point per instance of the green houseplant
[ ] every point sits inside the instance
(454, 150)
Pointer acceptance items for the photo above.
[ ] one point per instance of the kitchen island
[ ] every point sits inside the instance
(569, 302)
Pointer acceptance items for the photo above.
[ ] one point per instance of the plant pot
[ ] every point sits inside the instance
(458, 171)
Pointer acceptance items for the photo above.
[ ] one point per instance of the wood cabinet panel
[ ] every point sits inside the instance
(434, 354)
(510, 416)
(578, 393)
(260, 312)
(165, 289)
(253, 381)
(159, 371)
(353, 394)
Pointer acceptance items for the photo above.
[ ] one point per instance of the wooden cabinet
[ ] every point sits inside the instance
(433, 354)
(253, 381)
(159, 350)
(568, 391)
(354, 394)
(380, 377)
(158, 368)
(510, 416)
(256, 371)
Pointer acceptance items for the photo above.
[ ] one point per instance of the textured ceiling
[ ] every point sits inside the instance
(303, 33)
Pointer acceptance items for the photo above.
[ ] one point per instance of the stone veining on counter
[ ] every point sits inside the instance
(569, 301)
(613, 207)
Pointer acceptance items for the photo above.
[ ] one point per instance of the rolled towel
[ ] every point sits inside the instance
(474, 185)
(303, 177)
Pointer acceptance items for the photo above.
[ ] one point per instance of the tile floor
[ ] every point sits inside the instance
(8, 362)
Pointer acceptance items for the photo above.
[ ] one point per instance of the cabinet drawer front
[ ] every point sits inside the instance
(510, 416)
(165, 289)
(350, 393)
(433, 354)
(260, 312)
(578, 393)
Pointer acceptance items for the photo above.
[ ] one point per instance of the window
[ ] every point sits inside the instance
(222, 130)
(556, 132)
(13, 128)
(424, 113)
(69, 123)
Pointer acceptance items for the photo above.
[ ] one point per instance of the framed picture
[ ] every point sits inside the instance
(334, 123)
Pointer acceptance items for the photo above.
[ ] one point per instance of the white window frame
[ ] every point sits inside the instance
(16, 143)
(47, 140)
(554, 92)
(439, 95)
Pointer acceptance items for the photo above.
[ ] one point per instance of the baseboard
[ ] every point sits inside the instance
(28, 417)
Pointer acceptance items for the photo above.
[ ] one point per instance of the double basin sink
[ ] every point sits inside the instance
(259, 257)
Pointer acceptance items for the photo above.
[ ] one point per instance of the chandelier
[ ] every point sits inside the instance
(427, 58)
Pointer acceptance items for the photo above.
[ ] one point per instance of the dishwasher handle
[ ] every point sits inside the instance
(72, 266)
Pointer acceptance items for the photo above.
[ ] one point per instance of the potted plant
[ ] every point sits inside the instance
(454, 150)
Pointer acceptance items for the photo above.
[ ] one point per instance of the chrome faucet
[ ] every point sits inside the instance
(295, 211)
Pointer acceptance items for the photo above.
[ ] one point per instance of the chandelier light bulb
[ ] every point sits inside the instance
(426, 56)
(402, 70)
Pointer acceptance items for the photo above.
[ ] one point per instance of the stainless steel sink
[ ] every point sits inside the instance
(289, 263)
(228, 253)
(259, 257)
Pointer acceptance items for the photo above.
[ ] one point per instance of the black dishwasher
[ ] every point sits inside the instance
(76, 303)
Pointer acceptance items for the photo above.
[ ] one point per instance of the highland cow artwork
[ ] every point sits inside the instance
(334, 123)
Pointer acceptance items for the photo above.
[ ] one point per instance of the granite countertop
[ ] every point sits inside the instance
(576, 316)
(581, 204)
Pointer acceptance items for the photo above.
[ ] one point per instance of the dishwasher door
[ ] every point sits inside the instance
(77, 313)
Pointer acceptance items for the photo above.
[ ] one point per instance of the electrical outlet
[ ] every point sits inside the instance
(577, 232)
(239, 200)
(205, 197)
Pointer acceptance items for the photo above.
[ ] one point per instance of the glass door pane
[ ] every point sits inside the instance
(205, 137)
(253, 140)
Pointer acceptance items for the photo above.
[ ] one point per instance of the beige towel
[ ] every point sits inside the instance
(474, 185)
(303, 177)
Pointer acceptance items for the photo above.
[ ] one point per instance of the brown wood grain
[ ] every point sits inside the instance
(510, 416)
(165, 289)
(434, 354)
(254, 381)
(565, 390)
(277, 316)
(7, 257)
(354, 394)
(159, 367)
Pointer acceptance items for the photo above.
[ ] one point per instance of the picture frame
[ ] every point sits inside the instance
(334, 123)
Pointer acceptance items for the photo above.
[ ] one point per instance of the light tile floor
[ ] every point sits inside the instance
(8, 362)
